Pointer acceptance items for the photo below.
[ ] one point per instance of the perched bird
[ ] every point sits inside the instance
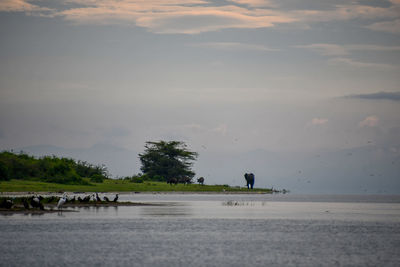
(35, 203)
(51, 199)
(97, 197)
(36, 199)
(61, 202)
(6, 203)
(116, 198)
(80, 199)
(86, 199)
(25, 203)
(106, 199)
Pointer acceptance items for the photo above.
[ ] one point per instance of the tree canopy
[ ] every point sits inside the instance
(165, 161)
(48, 169)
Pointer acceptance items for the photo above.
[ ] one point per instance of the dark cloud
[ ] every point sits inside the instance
(394, 96)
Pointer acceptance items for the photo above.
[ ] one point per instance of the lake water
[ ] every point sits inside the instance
(210, 230)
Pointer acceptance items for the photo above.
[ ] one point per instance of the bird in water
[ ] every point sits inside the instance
(116, 198)
(62, 201)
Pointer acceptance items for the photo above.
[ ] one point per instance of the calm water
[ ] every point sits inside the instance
(210, 230)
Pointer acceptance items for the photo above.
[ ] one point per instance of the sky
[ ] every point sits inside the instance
(303, 93)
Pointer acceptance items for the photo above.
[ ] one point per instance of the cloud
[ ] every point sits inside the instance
(255, 3)
(347, 12)
(359, 64)
(318, 121)
(186, 16)
(326, 49)
(197, 16)
(26, 7)
(392, 26)
(370, 121)
(233, 46)
(394, 96)
(343, 50)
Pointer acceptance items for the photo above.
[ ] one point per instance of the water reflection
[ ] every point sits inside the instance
(171, 209)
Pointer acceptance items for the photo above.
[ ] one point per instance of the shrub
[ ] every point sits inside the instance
(97, 178)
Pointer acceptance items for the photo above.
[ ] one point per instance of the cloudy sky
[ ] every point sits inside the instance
(294, 79)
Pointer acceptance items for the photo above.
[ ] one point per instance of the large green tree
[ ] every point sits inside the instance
(168, 161)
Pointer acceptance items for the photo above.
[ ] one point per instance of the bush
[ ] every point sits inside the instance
(137, 179)
(4, 173)
(97, 178)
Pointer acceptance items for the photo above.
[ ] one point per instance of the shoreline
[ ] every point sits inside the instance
(22, 193)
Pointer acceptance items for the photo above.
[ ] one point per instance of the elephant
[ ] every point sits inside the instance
(172, 181)
(201, 180)
(249, 179)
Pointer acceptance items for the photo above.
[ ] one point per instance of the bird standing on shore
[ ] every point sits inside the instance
(35, 202)
(106, 199)
(116, 198)
(25, 203)
(61, 202)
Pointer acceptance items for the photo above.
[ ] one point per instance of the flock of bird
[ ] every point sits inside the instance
(36, 201)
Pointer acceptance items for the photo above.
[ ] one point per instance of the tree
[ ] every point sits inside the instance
(163, 161)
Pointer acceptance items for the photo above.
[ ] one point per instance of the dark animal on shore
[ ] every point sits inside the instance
(116, 198)
(25, 203)
(6, 204)
(80, 199)
(201, 180)
(172, 181)
(185, 180)
(98, 198)
(106, 199)
(249, 180)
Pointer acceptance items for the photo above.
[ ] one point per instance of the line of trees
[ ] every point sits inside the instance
(49, 169)
(162, 161)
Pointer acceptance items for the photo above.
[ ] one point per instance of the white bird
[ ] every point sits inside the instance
(36, 199)
(61, 202)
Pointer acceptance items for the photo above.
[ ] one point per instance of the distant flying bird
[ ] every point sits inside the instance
(116, 198)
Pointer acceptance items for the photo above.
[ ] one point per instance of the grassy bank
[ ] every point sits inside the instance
(110, 185)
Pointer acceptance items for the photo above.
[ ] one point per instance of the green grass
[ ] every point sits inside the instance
(110, 185)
